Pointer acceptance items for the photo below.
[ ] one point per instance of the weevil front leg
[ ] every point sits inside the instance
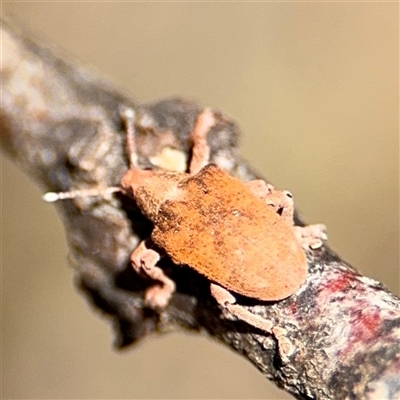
(144, 260)
(201, 151)
(228, 301)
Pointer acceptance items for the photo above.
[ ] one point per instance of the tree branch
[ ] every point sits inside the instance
(61, 123)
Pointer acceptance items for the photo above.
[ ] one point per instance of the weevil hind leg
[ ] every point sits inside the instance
(311, 236)
(286, 347)
(279, 200)
(144, 261)
(201, 151)
(260, 188)
(227, 300)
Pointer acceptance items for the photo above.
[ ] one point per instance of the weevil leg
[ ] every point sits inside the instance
(260, 188)
(311, 236)
(128, 115)
(282, 202)
(227, 300)
(201, 150)
(279, 200)
(144, 260)
(286, 347)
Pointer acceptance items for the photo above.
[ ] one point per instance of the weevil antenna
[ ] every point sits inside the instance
(51, 197)
(128, 115)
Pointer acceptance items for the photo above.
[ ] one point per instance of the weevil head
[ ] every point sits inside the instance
(150, 188)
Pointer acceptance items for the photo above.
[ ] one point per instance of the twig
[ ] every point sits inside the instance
(62, 125)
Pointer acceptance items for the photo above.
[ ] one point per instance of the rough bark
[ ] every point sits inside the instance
(61, 123)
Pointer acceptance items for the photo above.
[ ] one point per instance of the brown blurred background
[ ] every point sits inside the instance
(314, 87)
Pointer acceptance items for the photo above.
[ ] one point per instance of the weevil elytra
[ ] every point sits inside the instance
(239, 235)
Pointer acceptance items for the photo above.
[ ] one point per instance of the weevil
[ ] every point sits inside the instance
(241, 236)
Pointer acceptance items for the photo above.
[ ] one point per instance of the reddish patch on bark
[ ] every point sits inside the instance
(293, 308)
(365, 328)
(339, 283)
(365, 324)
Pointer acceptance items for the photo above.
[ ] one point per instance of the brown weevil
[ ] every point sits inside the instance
(241, 236)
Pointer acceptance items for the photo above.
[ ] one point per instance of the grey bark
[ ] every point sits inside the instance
(61, 124)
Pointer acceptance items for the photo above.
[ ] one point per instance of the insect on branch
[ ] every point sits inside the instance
(66, 131)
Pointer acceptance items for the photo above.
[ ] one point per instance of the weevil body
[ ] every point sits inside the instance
(239, 235)
(213, 223)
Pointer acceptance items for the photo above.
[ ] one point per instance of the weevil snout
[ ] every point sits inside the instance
(133, 179)
(150, 188)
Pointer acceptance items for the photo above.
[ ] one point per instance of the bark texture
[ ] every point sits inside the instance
(61, 123)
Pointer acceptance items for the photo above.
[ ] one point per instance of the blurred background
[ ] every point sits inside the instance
(315, 89)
